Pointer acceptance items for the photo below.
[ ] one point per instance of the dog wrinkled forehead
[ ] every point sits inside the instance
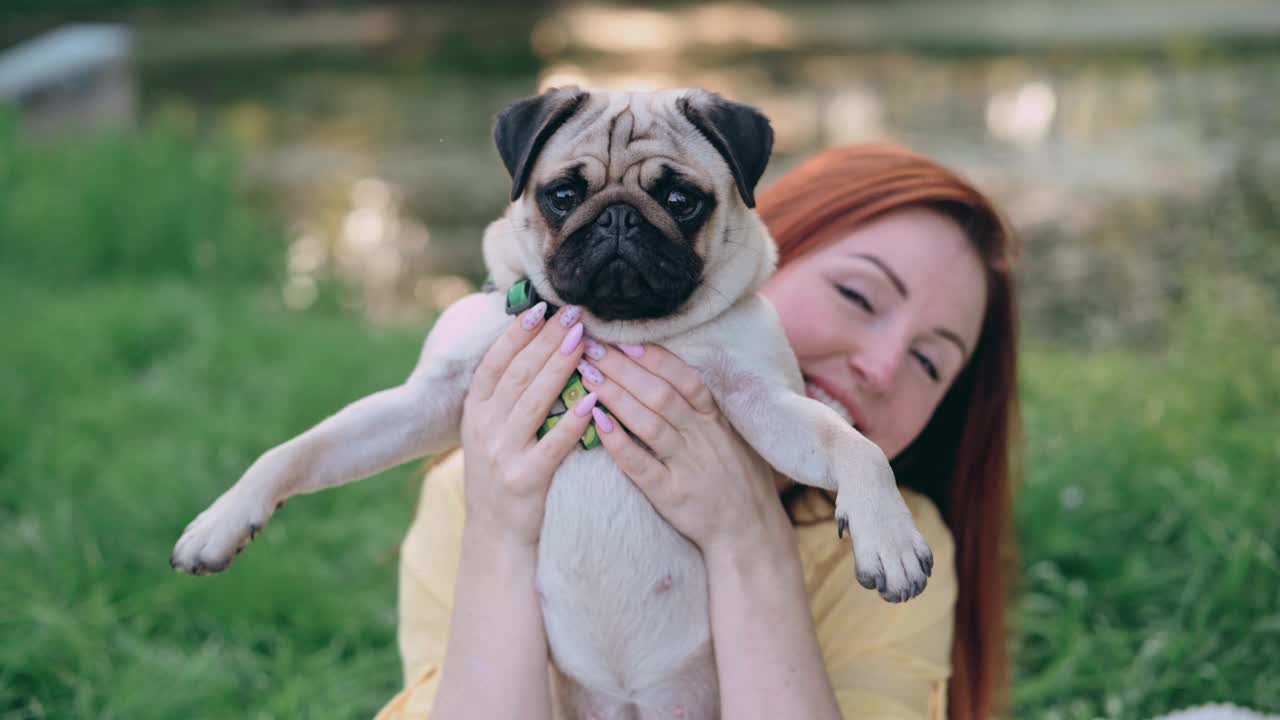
(620, 137)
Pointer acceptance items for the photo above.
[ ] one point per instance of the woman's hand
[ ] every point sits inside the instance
(496, 629)
(508, 469)
(701, 476)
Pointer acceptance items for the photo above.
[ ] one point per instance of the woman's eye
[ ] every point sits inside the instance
(683, 204)
(929, 368)
(562, 199)
(856, 298)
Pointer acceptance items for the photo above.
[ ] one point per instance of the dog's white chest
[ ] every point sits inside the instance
(624, 596)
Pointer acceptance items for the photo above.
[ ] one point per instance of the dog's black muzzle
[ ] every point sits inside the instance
(620, 267)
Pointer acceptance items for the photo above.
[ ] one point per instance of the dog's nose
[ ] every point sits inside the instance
(621, 218)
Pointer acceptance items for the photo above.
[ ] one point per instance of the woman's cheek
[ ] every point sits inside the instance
(804, 339)
(813, 326)
(817, 337)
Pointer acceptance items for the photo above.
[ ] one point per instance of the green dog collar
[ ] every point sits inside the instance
(520, 297)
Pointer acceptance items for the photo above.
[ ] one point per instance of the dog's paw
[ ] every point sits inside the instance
(889, 553)
(217, 535)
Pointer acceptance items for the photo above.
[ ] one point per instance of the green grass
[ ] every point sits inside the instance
(134, 387)
(128, 206)
(147, 361)
(126, 410)
(1149, 530)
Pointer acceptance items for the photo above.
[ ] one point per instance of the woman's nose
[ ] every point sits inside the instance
(877, 369)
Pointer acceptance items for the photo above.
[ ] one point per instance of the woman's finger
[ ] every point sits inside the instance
(561, 330)
(516, 337)
(553, 447)
(645, 470)
(533, 405)
(651, 427)
(648, 387)
(667, 365)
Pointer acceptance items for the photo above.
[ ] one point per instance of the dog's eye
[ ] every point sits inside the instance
(683, 204)
(562, 198)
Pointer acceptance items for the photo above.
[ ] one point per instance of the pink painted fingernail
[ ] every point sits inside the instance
(595, 350)
(590, 372)
(571, 340)
(603, 423)
(585, 405)
(632, 350)
(533, 316)
(570, 315)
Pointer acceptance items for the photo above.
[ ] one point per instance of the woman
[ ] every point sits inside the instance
(896, 293)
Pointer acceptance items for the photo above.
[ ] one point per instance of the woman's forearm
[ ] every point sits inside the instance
(767, 654)
(496, 662)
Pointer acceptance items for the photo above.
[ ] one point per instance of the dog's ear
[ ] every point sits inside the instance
(740, 133)
(523, 128)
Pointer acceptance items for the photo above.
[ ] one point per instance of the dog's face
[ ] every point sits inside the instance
(630, 204)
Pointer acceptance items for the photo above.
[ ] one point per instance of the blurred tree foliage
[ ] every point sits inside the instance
(1126, 284)
(121, 205)
(80, 8)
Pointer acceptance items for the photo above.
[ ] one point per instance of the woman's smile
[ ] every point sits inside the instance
(889, 311)
(828, 394)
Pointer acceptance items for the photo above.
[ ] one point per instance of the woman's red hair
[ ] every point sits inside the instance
(962, 459)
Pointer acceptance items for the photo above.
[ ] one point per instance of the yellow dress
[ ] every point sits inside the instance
(885, 660)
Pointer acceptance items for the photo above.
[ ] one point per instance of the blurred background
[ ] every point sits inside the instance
(222, 220)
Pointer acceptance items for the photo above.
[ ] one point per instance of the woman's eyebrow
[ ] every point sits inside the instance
(893, 276)
(948, 335)
(941, 332)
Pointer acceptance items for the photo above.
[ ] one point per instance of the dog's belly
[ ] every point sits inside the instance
(624, 596)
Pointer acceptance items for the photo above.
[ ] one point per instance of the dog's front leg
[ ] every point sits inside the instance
(808, 442)
(374, 433)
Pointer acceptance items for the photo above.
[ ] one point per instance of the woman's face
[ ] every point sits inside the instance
(883, 319)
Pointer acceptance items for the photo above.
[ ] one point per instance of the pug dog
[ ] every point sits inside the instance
(638, 208)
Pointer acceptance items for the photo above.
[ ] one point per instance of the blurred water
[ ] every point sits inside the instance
(1126, 170)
